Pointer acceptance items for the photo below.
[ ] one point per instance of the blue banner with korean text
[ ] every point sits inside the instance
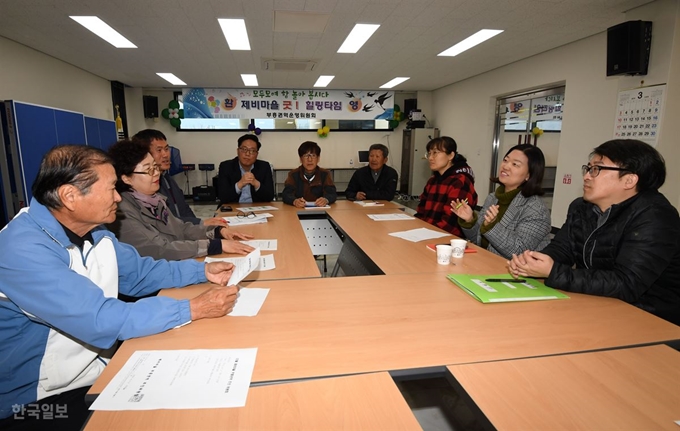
(229, 103)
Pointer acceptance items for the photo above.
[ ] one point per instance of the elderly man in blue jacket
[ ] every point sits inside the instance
(621, 239)
(60, 275)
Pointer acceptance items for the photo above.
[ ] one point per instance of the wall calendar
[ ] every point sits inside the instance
(638, 114)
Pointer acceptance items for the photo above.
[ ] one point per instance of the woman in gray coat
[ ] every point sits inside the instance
(514, 218)
(144, 220)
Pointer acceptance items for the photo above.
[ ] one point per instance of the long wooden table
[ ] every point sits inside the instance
(411, 319)
(365, 401)
(314, 328)
(629, 389)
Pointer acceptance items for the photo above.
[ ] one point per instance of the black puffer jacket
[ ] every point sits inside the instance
(633, 256)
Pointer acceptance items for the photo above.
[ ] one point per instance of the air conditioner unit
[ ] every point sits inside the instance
(288, 65)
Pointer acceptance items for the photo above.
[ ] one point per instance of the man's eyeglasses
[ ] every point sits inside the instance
(249, 214)
(152, 170)
(594, 170)
(309, 156)
(247, 151)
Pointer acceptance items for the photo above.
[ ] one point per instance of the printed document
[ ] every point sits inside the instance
(263, 244)
(253, 209)
(265, 263)
(249, 302)
(388, 217)
(415, 235)
(180, 379)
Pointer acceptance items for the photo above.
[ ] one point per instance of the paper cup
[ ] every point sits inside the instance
(458, 248)
(444, 254)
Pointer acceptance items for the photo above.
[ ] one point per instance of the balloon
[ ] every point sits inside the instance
(175, 122)
(393, 124)
(173, 104)
(326, 129)
(251, 127)
(396, 108)
(258, 130)
(165, 113)
(181, 113)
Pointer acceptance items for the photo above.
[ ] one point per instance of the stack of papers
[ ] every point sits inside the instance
(240, 221)
(317, 208)
(388, 217)
(263, 244)
(415, 235)
(369, 203)
(253, 209)
(264, 263)
(242, 265)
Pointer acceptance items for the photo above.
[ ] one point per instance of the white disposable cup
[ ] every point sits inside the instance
(458, 248)
(444, 254)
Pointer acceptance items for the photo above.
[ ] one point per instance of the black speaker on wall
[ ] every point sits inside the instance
(150, 106)
(628, 48)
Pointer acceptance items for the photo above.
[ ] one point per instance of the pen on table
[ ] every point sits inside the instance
(508, 280)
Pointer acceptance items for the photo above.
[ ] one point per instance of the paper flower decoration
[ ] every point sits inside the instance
(253, 129)
(173, 113)
(536, 131)
(323, 132)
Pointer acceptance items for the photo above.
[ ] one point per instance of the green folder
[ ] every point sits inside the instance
(506, 291)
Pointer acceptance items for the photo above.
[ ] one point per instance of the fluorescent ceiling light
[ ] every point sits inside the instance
(249, 80)
(324, 80)
(394, 82)
(475, 39)
(357, 37)
(235, 32)
(103, 30)
(171, 78)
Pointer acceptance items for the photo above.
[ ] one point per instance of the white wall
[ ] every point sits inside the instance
(29, 76)
(465, 110)
(278, 148)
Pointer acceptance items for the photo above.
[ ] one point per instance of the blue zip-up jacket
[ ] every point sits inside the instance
(59, 310)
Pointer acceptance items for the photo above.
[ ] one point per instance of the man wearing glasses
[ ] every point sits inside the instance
(621, 239)
(309, 185)
(244, 178)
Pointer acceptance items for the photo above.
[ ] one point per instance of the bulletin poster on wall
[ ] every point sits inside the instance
(638, 114)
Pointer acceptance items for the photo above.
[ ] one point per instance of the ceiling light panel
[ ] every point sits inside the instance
(103, 30)
(249, 80)
(474, 40)
(235, 32)
(394, 82)
(171, 78)
(357, 38)
(324, 80)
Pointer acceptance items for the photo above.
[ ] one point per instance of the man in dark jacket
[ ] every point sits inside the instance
(244, 178)
(622, 239)
(375, 181)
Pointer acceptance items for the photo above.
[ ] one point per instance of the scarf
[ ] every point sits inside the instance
(155, 203)
(504, 200)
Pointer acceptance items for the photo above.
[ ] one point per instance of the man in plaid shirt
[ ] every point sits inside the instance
(452, 179)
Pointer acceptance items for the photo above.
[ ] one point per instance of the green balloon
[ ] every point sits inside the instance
(397, 108)
(165, 113)
(175, 122)
(180, 113)
(393, 124)
(173, 104)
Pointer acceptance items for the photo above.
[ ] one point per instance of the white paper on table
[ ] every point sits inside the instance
(369, 203)
(265, 263)
(415, 235)
(242, 265)
(240, 221)
(263, 244)
(318, 208)
(180, 379)
(253, 209)
(249, 301)
(388, 217)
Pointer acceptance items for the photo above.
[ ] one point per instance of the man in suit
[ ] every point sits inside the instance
(375, 181)
(244, 178)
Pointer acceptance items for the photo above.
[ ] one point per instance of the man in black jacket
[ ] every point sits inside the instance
(375, 181)
(244, 178)
(622, 239)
